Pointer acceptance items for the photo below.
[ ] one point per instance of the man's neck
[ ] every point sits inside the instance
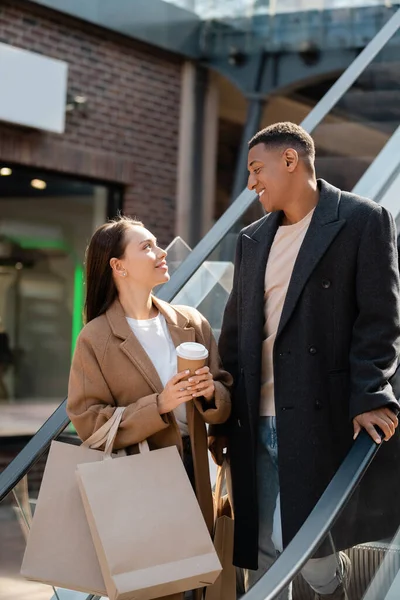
(302, 201)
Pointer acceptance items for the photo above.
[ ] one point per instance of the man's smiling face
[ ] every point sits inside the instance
(269, 175)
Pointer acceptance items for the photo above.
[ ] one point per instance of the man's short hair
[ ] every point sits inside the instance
(286, 135)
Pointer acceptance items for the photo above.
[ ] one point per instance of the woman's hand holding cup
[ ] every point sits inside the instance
(193, 380)
(193, 356)
(174, 393)
(202, 384)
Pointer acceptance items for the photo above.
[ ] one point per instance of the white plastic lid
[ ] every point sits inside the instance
(192, 351)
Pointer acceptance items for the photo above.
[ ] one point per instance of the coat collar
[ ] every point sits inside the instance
(119, 325)
(324, 226)
(178, 326)
(326, 211)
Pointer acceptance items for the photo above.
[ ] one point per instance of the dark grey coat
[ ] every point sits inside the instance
(336, 347)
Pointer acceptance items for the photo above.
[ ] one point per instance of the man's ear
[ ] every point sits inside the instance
(291, 159)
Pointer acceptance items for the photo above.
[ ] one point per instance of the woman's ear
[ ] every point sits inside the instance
(117, 267)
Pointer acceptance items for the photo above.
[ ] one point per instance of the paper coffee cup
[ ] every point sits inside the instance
(191, 356)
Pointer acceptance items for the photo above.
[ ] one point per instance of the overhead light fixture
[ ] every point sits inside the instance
(5, 171)
(38, 184)
(79, 101)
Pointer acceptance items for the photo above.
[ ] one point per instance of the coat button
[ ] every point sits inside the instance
(312, 350)
(326, 283)
(318, 405)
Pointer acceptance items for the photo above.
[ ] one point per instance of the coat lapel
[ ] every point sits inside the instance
(324, 227)
(255, 250)
(178, 327)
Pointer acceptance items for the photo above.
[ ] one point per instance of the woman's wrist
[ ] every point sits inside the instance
(160, 406)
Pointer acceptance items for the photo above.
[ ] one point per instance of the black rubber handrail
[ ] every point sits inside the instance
(319, 523)
(204, 248)
(33, 450)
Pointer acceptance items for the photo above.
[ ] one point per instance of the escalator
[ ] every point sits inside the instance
(363, 143)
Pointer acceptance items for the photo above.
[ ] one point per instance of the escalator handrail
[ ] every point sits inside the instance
(319, 522)
(33, 450)
(352, 73)
(204, 248)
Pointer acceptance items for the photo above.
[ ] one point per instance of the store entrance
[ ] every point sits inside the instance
(45, 224)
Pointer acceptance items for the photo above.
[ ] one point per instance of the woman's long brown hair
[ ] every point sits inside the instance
(108, 241)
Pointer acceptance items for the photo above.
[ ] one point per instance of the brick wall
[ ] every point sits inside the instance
(129, 131)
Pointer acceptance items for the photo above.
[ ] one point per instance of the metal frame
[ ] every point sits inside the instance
(380, 173)
(351, 74)
(201, 81)
(158, 23)
(188, 33)
(255, 107)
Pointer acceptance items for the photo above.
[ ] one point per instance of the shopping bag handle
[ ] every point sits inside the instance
(106, 434)
(112, 434)
(144, 447)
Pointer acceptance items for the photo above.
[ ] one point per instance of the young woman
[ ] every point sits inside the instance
(125, 356)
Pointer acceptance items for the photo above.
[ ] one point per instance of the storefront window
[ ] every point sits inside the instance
(45, 224)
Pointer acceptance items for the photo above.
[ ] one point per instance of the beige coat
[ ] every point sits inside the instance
(110, 368)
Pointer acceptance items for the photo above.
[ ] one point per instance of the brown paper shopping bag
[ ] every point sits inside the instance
(224, 587)
(60, 549)
(147, 527)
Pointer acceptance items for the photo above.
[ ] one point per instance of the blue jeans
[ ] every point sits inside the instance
(320, 573)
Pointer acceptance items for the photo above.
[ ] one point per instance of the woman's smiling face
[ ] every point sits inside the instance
(143, 260)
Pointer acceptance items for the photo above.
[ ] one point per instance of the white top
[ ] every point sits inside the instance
(282, 257)
(154, 336)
